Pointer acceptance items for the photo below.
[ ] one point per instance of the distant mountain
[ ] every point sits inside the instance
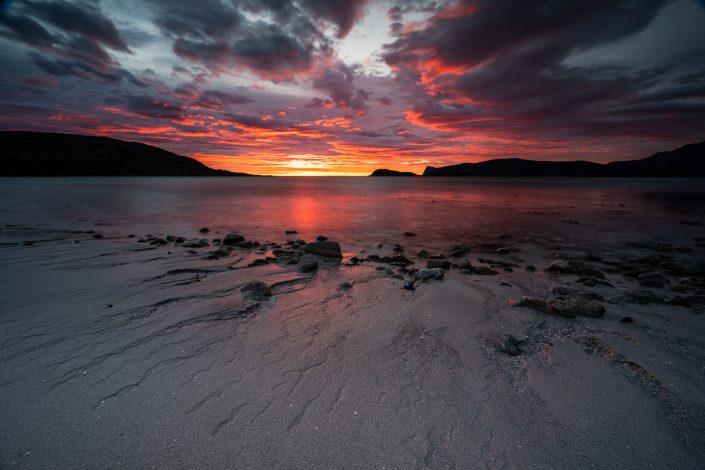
(688, 160)
(385, 172)
(50, 154)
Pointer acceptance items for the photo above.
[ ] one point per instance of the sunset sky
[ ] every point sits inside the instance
(344, 87)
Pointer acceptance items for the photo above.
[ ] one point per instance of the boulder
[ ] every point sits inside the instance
(233, 239)
(326, 249)
(308, 263)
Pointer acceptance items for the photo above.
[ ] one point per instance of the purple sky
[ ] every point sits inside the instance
(344, 87)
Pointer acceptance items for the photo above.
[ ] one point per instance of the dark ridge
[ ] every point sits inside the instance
(53, 154)
(688, 160)
(385, 172)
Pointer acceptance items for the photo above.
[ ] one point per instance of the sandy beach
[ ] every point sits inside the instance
(120, 351)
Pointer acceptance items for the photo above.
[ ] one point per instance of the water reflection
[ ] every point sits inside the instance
(356, 210)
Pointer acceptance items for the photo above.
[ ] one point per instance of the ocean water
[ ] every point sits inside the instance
(359, 211)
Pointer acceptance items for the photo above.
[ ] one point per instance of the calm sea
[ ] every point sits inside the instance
(358, 211)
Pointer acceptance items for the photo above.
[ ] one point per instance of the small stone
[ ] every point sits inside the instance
(483, 271)
(511, 346)
(438, 263)
(564, 267)
(409, 285)
(233, 239)
(158, 241)
(643, 296)
(409, 234)
(97, 236)
(290, 232)
(462, 248)
(530, 267)
(195, 243)
(429, 273)
(344, 286)
(681, 301)
(503, 251)
(626, 320)
(587, 271)
(204, 230)
(257, 289)
(422, 254)
(465, 264)
(657, 245)
(321, 238)
(221, 252)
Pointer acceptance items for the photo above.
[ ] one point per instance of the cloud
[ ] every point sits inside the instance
(277, 40)
(68, 38)
(498, 68)
(338, 83)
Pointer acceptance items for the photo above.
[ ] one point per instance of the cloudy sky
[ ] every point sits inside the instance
(347, 86)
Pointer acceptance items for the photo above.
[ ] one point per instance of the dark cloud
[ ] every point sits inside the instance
(499, 67)
(76, 68)
(343, 14)
(286, 41)
(338, 83)
(317, 102)
(259, 122)
(203, 20)
(219, 99)
(151, 107)
(81, 18)
(77, 35)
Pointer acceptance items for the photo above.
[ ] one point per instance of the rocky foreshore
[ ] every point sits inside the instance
(221, 339)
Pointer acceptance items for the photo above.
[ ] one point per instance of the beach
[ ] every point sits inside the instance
(561, 348)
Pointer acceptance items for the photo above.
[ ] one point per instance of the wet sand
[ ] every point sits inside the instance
(116, 353)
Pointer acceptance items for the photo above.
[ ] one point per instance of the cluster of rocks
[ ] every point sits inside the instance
(568, 304)
(308, 256)
(651, 271)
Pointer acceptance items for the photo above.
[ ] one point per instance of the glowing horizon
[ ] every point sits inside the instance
(316, 88)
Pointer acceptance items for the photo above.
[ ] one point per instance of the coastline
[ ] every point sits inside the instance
(153, 355)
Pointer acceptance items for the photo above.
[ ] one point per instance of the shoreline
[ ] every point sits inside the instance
(118, 352)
